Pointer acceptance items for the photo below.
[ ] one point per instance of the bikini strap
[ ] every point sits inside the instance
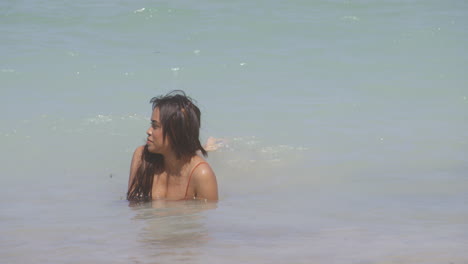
(190, 177)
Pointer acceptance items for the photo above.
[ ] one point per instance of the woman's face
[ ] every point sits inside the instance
(155, 140)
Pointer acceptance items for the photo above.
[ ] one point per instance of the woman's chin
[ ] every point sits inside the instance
(152, 150)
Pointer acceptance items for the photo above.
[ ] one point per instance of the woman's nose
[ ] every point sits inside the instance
(149, 131)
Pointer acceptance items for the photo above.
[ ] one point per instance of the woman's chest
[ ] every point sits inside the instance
(170, 187)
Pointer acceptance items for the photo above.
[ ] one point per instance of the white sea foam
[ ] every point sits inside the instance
(351, 18)
(99, 119)
(139, 10)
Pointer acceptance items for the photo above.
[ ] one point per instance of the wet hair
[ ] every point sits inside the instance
(180, 119)
(141, 187)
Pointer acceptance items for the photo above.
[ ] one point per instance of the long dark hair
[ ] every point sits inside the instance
(180, 119)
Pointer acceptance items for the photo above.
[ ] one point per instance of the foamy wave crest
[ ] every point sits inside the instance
(350, 18)
(99, 119)
(245, 152)
(104, 119)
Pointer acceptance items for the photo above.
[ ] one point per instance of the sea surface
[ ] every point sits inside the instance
(345, 130)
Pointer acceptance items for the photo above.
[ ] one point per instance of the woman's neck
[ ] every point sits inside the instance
(173, 165)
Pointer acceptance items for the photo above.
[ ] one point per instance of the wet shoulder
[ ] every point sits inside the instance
(139, 150)
(197, 163)
(136, 159)
(204, 180)
(201, 170)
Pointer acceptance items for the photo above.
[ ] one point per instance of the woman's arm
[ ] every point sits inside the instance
(136, 161)
(206, 186)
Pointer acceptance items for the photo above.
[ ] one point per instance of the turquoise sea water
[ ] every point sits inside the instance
(345, 121)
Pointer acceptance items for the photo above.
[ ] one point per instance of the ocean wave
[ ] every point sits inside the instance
(105, 119)
(245, 152)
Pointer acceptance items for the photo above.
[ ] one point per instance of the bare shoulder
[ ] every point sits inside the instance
(203, 171)
(136, 161)
(201, 168)
(205, 181)
(138, 151)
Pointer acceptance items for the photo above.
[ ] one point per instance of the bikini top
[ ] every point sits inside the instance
(190, 177)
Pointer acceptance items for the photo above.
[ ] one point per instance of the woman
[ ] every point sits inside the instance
(168, 166)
